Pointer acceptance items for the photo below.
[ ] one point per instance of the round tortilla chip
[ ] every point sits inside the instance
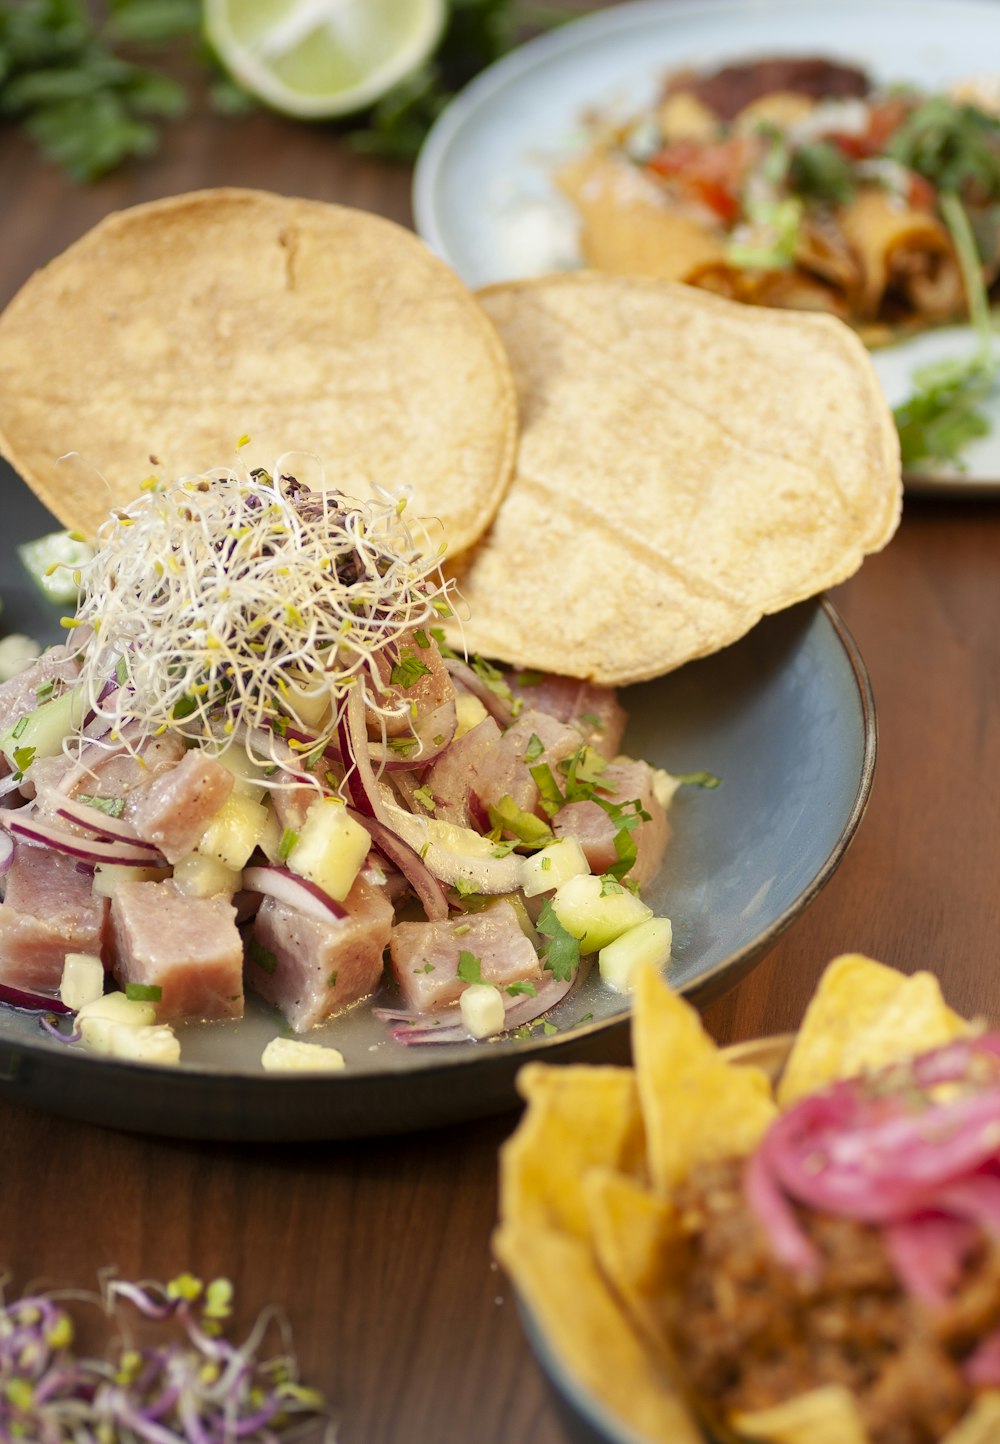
(686, 465)
(174, 328)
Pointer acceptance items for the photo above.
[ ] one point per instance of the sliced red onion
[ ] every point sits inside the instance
(927, 1254)
(298, 892)
(31, 1002)
(498, 707)
(446, 1026)
(982, 1367)
(100, 823)
(120, 854)
(360, 780)
(423, 882)
(466, 863)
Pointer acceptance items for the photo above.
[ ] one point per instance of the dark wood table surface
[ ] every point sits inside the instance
(379, 1250)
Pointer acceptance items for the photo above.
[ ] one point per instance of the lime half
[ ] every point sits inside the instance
(317, 58)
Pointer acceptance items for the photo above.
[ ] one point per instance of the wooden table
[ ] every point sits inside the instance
(379, 1250)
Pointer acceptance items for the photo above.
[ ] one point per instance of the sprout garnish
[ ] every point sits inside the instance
(235, 605)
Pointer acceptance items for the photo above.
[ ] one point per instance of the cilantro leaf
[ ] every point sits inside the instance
(561, 954)
(408, 670)
(470, 969)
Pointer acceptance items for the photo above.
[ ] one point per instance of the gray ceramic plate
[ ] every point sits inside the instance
(587, 1419)
(784, 717)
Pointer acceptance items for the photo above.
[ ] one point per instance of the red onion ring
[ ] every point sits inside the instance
(423, 882)
(297, 892)
(120, 854)
(100, 823)
(446, 1026)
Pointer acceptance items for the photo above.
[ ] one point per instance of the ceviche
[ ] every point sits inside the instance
(256, 764)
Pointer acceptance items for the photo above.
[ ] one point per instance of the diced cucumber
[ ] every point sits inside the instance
(288, 1055)
(200, 876)
(234, 831)
(331, 848)
(82, 980)
(51, 561)
(646, 943)
(547, 869)
(482, 1010)
(597, 910)
(16, 653)
(41, 733)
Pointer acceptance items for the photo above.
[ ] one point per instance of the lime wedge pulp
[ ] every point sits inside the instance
(317, 58)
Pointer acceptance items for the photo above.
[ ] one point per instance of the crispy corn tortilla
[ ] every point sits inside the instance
(686, 465)
(588, 1232)
(175, 328)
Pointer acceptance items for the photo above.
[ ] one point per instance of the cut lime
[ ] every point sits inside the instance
(317, 58)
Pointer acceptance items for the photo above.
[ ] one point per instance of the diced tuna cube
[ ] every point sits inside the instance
(49, 911)
(123, 772)
(458, 770)
(311, 969)
(174, 808)
(187, 947)
(19, 695)
(594, 711)
(425, 956)
(506, 769)
(430, 691)
(622, 781)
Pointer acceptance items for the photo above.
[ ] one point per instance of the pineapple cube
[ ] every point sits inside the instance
(82, 980)
(548, 868)
(331, 848)
(288, 1055)
(152, 1043)
(200, 876)
(470, 712)
(98, 1020)
(234, 831)
(482, 1010)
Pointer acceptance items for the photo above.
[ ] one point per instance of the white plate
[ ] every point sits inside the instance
(483, 198)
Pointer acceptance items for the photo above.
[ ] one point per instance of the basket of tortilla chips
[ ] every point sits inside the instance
(705, 1252)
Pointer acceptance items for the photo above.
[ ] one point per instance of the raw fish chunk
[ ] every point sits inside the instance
(425, 956)
(175, 808)
(188, 947)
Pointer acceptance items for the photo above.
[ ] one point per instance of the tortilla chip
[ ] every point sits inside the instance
(577, 1117)
(574, 1309)
(686, 465)
(175, 328)
(982, 1423)
(823, 1416)
(697, 1107)
(862, 1017)
(633, 1235)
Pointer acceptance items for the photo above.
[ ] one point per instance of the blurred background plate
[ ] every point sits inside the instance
(784, 717)
(482, 194)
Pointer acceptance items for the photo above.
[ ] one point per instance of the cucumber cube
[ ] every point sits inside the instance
(597, 910)
(549, 868)
(647, 943)
(40, 733)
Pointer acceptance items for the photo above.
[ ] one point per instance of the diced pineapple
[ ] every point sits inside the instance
(247, 777)
(470, 712)
(311, 703)
(234, 831)
(200, 876)
(108, 877)
(40, 733)
(482, 1010)
(331, 847)
(82, 980)
(97, 1020)
(597, 910)
(288, 1055)
(549, 868)
(151, 1043)
(646, 943)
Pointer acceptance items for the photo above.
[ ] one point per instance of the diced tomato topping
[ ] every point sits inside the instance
(713, 173)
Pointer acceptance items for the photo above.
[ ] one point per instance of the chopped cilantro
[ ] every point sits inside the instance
(548, 789)
(23, 758)
(626, 853)
(822, 171)
(534, 749)
(438, 634)
(121, 671)
(528, 679)
(592, 721)
(425, 797)
(561, 954)
(524, 986)
(525, 826)
(111, 806)
(287, 843)
(427, 968)
(707, 780)
(19, 727)
(582, 771)
(403, 745)
(44, 691)
(610, 885)
(470, 969)
(408, 670)
(421, 638)
(492, 676)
